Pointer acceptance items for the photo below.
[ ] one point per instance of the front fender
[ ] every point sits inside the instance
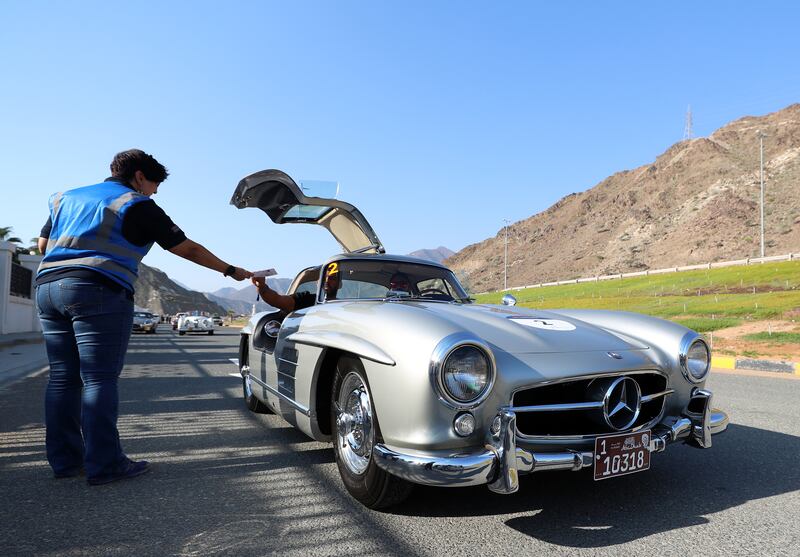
(345, 342)
(250, 326)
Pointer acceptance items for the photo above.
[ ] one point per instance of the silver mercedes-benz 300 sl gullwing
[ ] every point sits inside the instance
(415, 384)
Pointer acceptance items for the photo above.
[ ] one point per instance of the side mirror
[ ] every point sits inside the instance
(509, 300)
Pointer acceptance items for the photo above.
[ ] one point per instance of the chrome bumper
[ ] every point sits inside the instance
(501, 462)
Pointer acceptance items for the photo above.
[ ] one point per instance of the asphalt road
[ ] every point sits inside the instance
(228, 482)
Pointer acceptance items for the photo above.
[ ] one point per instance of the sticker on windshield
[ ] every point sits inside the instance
(546, 324)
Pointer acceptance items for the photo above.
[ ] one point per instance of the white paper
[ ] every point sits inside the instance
(265, 273)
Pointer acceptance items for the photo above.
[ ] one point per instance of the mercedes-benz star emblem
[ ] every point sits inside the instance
(622, 403)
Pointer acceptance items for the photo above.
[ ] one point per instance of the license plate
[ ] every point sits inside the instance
(620, 455)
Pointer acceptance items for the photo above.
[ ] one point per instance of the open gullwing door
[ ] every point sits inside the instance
(283, 200)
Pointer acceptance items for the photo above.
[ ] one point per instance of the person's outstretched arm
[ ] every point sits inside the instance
(196, 253)
(280, 301)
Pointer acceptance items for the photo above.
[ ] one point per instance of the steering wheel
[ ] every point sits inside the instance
(433, 291)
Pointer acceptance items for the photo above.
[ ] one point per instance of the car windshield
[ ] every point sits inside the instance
(142, 314)
(357, 279)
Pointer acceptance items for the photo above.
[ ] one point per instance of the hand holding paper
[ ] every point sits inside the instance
(259, 278)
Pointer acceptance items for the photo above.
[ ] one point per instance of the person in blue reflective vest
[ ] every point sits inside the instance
(92, 243)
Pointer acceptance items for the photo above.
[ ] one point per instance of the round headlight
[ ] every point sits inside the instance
(695, 360)
(466, 374)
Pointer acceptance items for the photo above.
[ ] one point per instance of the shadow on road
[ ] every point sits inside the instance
(683, 485)
(224, 481)
(229, 482)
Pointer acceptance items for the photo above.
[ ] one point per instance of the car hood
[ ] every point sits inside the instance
(523, 331)
(283, 200)
(512, 330)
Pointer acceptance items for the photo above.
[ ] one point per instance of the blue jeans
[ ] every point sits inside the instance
(86, 328)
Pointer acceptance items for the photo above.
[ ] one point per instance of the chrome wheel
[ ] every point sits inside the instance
(354, 424)
(247, 384)
(356, 431)
(250, 399)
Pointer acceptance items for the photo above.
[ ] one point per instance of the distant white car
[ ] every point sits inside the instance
(175, 319)
(217, 320)
(195, 324)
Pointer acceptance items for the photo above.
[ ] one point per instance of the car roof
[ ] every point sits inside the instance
(387, 257)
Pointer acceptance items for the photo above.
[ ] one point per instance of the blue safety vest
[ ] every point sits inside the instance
(87, 232)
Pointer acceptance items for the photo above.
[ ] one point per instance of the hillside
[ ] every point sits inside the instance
(156, 292)
(248, 293)
(743, 310)
(437, 255)
(160, 294)
(241, 300)
(697, 202)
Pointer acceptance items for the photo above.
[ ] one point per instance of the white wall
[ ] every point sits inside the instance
(17, 315)
(21, 316)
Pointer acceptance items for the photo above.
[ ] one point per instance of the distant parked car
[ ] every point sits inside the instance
(195, 324)
(175, 319)
(144, 322)
(217, 320)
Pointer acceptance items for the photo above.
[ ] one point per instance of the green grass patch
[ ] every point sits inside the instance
(755, 292)
(706, 325)
(777, 338)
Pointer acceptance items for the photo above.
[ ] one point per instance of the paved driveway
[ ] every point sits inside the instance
(228, 482)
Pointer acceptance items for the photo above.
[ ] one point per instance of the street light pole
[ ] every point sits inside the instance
(761, 136)
(505, 256)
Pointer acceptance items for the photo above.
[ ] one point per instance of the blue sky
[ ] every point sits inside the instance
(438, 119)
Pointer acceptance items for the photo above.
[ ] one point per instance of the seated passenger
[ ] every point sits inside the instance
(399, 283)
(298, 300)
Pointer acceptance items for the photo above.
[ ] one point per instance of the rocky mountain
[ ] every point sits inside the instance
(239, 307)
(437, 255)
(241, 300)
(158, 293)
(698, 202)
(227, 292)
(248, 293)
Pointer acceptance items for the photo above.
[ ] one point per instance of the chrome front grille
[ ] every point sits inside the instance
(576, 407)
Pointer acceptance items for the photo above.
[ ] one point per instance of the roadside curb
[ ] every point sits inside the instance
(9, 376)
(8, 341)
(736, 362)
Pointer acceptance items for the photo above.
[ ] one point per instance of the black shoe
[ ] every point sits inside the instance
(133, 469)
